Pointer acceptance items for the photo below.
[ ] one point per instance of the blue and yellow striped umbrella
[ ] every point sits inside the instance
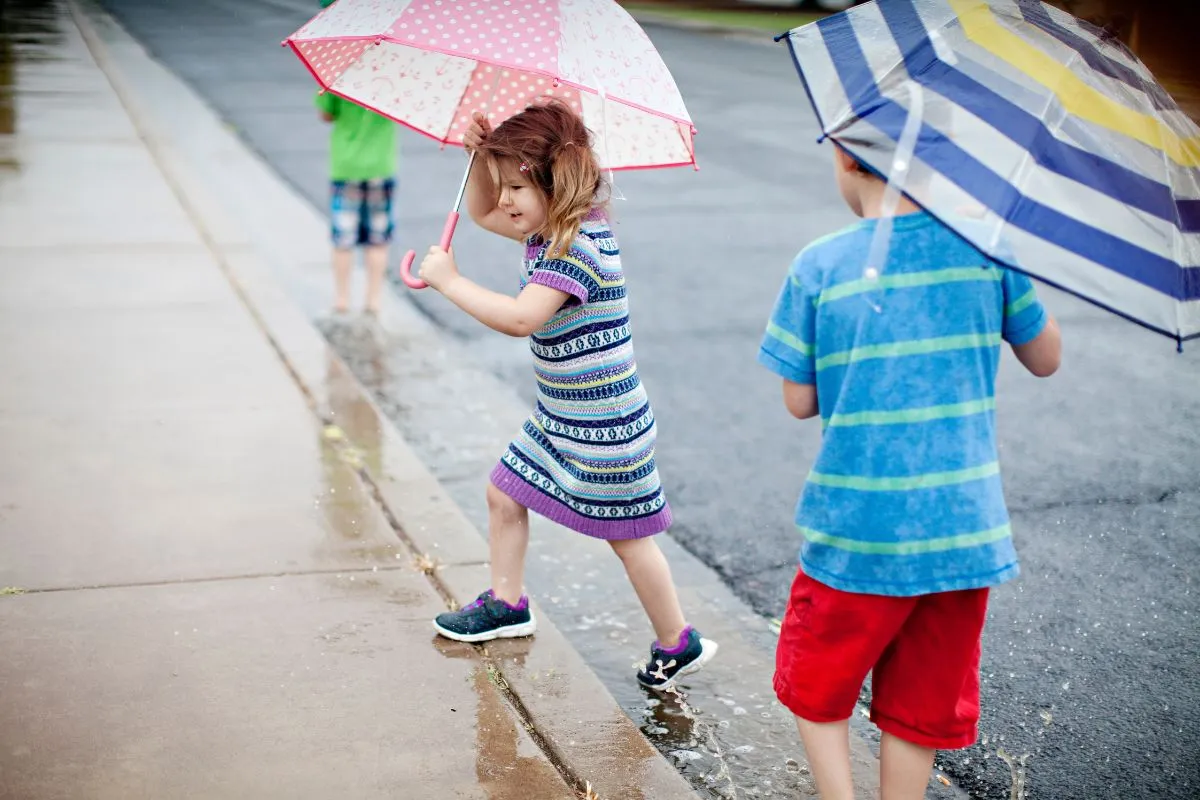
(1042, 140)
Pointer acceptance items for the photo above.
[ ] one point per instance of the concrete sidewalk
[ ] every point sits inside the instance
(215, 552)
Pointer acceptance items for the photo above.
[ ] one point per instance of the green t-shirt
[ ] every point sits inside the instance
(362, 144)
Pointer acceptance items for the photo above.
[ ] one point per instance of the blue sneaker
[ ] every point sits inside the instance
(667, 666)
(487, 618)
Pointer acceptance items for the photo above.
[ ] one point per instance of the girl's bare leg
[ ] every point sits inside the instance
(904, 769)
(508, 538)
(650, 575)
(827, 745)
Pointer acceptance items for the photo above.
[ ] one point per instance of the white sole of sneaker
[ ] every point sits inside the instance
(708, 649)
(507, 632)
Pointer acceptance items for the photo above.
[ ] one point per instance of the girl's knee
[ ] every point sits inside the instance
(503, 506)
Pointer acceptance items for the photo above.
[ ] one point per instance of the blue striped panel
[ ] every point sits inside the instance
(1090, 169)
(1035, 13)
(1101, 247)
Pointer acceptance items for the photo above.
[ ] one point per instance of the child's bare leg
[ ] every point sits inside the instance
(650, 575)
(827, 745)
(343, 262)
(508, 538)
(376, 257)
(903, 769)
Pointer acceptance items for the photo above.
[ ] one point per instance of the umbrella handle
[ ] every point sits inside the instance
(406, 265)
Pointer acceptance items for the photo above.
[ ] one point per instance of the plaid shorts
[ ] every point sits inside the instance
(361, 212)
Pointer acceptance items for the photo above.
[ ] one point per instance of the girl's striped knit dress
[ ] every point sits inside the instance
(585, 457)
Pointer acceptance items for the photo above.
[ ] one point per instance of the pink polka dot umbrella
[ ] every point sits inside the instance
(429, 64)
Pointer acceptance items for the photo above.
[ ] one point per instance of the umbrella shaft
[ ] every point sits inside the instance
(462, 190)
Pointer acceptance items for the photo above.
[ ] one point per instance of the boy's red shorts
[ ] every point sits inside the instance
(924, 653)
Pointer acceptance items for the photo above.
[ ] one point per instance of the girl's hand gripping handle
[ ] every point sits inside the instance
(406, 265)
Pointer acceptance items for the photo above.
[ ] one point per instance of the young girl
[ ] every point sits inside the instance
(585, 457)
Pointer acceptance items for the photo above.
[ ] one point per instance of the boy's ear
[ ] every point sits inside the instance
(843, 160)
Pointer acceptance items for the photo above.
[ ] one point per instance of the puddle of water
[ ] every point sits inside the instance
(508, 765)
(729, 748)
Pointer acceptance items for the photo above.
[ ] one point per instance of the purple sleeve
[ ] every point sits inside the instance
(574, 273)
(563, 274)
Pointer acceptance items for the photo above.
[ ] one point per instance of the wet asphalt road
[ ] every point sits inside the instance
(1091, 659)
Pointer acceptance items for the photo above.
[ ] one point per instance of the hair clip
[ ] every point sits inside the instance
(524, 167)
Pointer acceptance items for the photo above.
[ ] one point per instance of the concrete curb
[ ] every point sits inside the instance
(567, 710)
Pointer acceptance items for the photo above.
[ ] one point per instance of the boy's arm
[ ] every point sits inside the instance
(1029, 328)
(789, 344)
(1042, 355)
(326, 104)
(800, 399)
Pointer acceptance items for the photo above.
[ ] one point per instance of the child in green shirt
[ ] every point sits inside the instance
(362, 169)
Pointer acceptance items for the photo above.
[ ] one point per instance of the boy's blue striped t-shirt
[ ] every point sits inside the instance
(905, 495)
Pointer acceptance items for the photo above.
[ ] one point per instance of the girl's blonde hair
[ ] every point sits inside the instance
(554, 148)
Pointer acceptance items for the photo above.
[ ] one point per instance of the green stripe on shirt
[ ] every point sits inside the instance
(788, 338)
(909, 415)
(1021, 303)
(929, 480)
(909, 280)
(939, 545)
(910, 348)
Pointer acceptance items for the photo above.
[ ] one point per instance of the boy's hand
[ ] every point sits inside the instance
(479, 130)
(438, 268)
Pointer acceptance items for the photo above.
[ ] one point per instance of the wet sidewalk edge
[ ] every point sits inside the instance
(563, 706)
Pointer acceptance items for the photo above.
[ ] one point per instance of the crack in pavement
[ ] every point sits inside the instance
(1156, 498)
(250, 576)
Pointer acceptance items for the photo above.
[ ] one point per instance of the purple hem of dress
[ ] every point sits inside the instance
(515, 487)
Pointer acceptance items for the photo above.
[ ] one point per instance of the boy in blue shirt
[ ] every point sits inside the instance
(903, 515)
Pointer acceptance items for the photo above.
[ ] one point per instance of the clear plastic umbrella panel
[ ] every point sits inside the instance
(1037, 137)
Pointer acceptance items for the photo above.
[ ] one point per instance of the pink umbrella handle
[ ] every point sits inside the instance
(406, 265)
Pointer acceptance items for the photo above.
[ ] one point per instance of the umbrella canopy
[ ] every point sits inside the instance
(429, 64)
(1042, 140)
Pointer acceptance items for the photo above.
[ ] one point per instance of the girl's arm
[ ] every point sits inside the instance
(481, 189)
(516, 316)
